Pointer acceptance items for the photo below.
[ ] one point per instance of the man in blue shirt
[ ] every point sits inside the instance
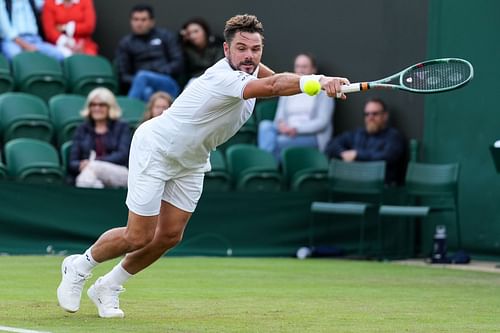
(19, 30)
(376, 142)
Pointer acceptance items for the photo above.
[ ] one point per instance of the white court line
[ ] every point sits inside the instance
(18, 330)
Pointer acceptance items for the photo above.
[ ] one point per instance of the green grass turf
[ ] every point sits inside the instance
(260, 295)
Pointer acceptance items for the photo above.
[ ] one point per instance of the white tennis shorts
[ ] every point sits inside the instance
(153, 177)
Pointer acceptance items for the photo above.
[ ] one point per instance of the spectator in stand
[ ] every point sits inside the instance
(20, 29)
(69, 24)
(159, 102)
(300, 120)
(201, 48)
(99, 153)
(149, 58)
(377, 141)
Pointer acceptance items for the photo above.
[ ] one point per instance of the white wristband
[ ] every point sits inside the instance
(305, 78)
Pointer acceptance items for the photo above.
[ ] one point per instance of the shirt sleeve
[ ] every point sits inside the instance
(232, 83)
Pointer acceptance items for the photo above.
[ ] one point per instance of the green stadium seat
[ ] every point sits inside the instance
(33, 161)
(253, 169)
(305, 169)
(65, 115)
(6, 80)
(64, 151)
(85, 72)
(132, 110)
(3, 171)
(24, 116)
(361, 181)
(38, 74)
(429, 188)
(218, 178)
(265, 109)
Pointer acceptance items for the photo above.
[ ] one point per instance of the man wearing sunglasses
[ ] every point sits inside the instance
(375, 142)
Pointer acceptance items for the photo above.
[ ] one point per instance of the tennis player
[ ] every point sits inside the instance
(169, 156)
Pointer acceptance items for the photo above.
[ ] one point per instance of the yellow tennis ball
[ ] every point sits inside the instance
(312, 87)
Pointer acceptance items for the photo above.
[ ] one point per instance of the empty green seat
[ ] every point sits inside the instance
(6, 80)
(33, 161)
(253, 169)
(362, 183)
(24, 116)
(65, 151)
(38, 74)
(85, 72)
(265, 109)
(305, 169)
(65, 115)
(132, 110)
(218, 178)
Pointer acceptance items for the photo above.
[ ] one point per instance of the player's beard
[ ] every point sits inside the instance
(241, 65)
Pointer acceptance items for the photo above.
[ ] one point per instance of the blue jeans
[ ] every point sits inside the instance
(269, 139)
(146, 83)
(10, 49)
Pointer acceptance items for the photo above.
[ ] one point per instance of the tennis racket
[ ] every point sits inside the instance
(427, 77)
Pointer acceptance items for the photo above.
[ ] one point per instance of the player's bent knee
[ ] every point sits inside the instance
(138, 240)
(170, 239)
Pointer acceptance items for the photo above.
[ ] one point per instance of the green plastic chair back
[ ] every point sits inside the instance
(24, 116)
(3, 171)
(65, 115)
(218, 178)
(265, 109)
(253, 169)
(431, 179)
(33, 161)
(304, 168)
(85, 72)
(38, 74)
(6, 80)
(357, 177)
(132, 110)
(65, 150)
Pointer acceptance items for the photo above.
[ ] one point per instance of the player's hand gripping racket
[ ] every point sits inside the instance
(431, 76)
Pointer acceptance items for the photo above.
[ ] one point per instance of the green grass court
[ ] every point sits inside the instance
(187, 294)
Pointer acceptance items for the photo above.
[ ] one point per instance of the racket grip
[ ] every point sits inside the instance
(349, 88)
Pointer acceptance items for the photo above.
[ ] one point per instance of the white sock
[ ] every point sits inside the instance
(85, 262)
(117, 277)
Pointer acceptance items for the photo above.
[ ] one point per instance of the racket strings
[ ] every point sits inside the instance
(437, 76)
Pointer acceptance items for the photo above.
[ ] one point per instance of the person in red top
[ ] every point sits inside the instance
(69, 24)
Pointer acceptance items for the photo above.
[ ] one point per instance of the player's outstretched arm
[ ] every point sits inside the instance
(286, 84)
(265, 71)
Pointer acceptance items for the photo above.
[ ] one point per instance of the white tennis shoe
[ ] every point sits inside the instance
(69, 291)
(106, 299)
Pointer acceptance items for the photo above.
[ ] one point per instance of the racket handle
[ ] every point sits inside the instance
(354, 87)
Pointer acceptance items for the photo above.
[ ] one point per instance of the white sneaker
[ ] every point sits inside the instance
(69, 291)
(106, 299)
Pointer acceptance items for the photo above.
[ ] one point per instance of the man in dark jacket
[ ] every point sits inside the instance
(376, 142)
(149, 58)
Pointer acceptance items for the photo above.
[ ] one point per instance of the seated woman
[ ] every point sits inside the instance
(158, 102)
(99, 153)
(69, 24)
(201, 49)
(300, 120)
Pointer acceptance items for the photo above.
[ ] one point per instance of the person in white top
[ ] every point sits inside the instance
(300, 120)
(168, 158)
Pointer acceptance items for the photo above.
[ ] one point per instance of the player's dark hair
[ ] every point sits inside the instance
(379, 101)
(143, 8)
(242, 23)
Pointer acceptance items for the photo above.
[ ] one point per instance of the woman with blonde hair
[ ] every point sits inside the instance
(158, 102)
(100, 147)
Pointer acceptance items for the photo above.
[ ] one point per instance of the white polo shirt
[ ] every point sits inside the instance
(206, 114)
